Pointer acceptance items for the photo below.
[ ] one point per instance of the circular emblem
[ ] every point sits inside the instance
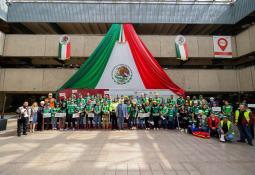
(64, 39)
(122, 74)
(180, 39)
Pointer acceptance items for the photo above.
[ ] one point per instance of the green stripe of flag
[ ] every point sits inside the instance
(92, 69)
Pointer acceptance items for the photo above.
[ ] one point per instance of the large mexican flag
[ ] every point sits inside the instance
(122, 62)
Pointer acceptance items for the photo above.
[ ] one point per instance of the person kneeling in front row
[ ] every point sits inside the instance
(225, 130)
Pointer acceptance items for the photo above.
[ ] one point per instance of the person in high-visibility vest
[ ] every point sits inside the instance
(225, 128)
(242, 120)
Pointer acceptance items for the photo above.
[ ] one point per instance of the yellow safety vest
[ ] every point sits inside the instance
(228, 124)
(246, 115)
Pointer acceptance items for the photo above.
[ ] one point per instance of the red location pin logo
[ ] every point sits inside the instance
(223, 43)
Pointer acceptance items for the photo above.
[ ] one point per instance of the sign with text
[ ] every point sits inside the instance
(222, 46)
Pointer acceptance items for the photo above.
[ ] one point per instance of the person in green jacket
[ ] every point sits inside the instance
(88, 110)
(155, 113)
(163, 115)
(133, 116)
(105, 114)
(46, 117)
(147, 110)
(98, 112)
(71, 106)
(227, 110)
(54, 120)
(171, 113)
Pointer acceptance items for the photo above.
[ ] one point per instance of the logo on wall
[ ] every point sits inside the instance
(64, 48)
(222, 46)
(181, 48)
(122, 74)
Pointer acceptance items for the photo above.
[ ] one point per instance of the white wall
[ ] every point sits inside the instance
(195, 80)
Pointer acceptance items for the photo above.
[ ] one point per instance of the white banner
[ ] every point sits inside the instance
(60, 115)
(216, 109)
(222, 46)
(76, 115)
(46, 115)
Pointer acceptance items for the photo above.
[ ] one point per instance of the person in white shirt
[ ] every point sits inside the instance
(23, 116)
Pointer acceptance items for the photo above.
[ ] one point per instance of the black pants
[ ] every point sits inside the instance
(147, 125)
(39, 122)
(114, 120)
(47, 123)
(22, 124)
(69, 118)
(156, 121)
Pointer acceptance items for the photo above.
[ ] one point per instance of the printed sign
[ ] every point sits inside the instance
(60, 115)
(46, 115)
(251, 105)
(222, 46)
(62, 94)
(216, 109)
(76, 115)
(90, 115)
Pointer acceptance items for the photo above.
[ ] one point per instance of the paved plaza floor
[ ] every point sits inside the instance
(130, 152)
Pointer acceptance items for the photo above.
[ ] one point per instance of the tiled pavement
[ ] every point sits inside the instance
(122, 153)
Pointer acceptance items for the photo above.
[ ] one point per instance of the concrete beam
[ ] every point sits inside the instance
(192, 80)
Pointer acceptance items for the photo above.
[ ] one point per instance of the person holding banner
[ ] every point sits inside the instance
(105, 114)
(155, 113)
(171, 113)
(54, 120)
(98, 112)
(163, 115)
(71, 106)
(147, 110)
(76, 116)
(133, 116)
(141, 117)
(89, 111)
(47, 116)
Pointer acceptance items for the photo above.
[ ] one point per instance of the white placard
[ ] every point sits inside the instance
(60, 115)
(216, 109)
(76, 115)
(74, 91)
(62, 94)
(46, 115)
(143, 115)
(251, 105)
(90, 115)
(222, 46)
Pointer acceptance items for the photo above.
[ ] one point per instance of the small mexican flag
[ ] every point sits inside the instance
(181, 48)
(64, 48)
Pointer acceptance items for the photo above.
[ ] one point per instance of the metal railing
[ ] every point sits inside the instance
(130, 1)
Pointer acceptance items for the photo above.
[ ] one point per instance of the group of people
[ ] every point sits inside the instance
(141, 112)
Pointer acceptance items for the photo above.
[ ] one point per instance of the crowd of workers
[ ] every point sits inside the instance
(141, 112)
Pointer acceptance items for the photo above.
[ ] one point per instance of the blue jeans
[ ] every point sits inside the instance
(244, 133)
(97, 120)
(228, 137)
(54, 122)
(170, 123)
(164, 123)
(121, 122)
(141, 122)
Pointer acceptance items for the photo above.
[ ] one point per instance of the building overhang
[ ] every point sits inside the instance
(128, 12)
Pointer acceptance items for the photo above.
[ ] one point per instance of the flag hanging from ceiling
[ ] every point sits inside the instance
(181, 48)
(122, 62)
(64, 48)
